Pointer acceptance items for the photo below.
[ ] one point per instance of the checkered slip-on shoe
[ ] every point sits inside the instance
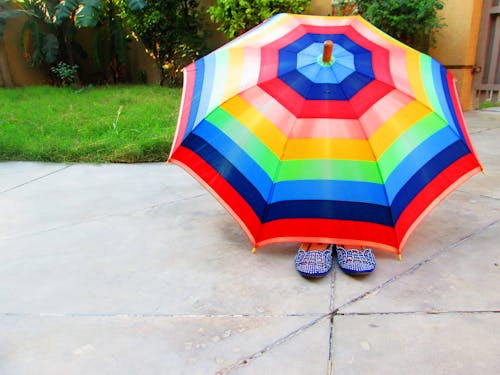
(356, 262)
(314, 263)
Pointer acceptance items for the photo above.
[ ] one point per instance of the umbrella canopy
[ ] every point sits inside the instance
(353, 149)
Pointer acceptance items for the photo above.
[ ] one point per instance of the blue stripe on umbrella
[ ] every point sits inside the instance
(440, 74)
(309, 90)
(413, 162)
(426, 174)
(197, 91)
(351, 191)
(307, 85)
(335, 210)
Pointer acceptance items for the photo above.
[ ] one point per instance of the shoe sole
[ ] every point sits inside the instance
(360, 273)
(313, 275)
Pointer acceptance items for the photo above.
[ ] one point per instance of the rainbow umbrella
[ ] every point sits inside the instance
(298, 146)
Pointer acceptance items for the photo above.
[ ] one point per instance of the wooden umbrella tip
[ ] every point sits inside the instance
(327, 51)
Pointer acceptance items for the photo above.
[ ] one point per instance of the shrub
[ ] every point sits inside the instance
(237, 16)
(412, 22)
(65, 73)
(171, 33)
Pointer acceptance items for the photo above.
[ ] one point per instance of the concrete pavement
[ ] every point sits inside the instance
(92, 282)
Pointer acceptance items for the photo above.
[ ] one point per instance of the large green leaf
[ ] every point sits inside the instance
(65, 8)
(136, 4)
(50, 48)
(88, 13)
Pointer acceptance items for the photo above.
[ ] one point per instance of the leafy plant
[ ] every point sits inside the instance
(412, 22)
(344, 7)
(40, 43)
(234, 17)
(171, 32)
(46, 41)
(111, 41)
(50, 35)
(110, 45)
(87, 13)
(65, 73)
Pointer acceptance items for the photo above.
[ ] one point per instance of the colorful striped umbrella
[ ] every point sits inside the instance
(353, 149)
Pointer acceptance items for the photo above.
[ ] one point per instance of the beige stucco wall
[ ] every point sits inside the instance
(320, 7)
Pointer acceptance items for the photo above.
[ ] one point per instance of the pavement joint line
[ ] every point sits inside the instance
(161, 315)
(331, 337)
(418, 312)
(171, 202)
(463, 190)
(483, 130)
(418, 265)
(35, 179)
(247, 359)
(98, 218)
(331, 348)
(489, 197)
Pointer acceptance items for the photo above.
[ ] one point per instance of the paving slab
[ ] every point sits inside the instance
(154, 344)
(459, 344)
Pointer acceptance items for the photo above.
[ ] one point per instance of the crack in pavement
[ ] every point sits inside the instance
(35, 179)
(421, 312)
(99, 218)
(159, 315)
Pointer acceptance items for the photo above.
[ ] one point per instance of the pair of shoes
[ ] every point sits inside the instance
(314, 263)
(354, 261)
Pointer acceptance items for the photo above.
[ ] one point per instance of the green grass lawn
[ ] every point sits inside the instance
(100, 124)
(488, 104)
